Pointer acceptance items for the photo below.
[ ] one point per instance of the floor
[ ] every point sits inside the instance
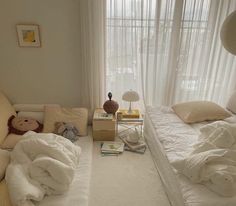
(125, 180)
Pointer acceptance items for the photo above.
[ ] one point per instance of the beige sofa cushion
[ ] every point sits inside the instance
(4, 197)
(4, 160)
(6, 111)
(11, 140)
(77, 116)
(198, 111)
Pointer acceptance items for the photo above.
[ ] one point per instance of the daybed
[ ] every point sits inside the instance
(78, 192)
(170, 139)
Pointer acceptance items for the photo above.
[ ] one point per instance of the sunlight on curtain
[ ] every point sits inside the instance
(92, 56)
(128, 25)
(205, 69)
(169, 51)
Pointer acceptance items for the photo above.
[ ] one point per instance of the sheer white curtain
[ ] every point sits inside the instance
(169, 50)
(92, 53)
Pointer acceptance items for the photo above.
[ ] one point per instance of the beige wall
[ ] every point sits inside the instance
(40, 75)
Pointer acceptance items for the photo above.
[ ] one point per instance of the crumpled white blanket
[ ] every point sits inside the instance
(213, 161)
(41, 164)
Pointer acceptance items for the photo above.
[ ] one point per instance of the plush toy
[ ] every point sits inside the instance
(67, 130)
(21, 125)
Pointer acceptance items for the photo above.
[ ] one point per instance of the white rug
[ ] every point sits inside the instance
(125, 180)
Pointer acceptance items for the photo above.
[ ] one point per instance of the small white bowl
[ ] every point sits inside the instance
(133, 137)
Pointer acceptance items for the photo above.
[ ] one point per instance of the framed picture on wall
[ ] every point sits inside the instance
(28, 35)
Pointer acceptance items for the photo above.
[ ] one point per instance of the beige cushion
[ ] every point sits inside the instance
(198, 111)
(6, 111)
(231, 105)
(4, 197)
(10, 141)
(32, 107)
(77, 116)
(4, 160)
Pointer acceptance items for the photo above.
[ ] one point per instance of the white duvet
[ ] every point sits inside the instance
(41, 164)
(213, 160)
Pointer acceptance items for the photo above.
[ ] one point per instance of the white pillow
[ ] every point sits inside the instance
(199, 111)
(76, 116)
(231, 105)
(4, 161)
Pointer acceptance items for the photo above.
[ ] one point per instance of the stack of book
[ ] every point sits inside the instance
(138, 147)
(135, 113)
(112, 148)
(102, 116)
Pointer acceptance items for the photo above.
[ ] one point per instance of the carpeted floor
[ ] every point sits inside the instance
(125, 180)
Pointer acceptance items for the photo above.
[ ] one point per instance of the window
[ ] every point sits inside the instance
(141, 38)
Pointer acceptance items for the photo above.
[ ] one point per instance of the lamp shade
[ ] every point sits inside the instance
(130, 96)
(228, 33)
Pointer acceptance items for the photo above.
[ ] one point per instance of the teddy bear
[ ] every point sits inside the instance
(20, 125)
(67, 130)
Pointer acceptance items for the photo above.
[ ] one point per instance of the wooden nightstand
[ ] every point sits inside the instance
(103, 129)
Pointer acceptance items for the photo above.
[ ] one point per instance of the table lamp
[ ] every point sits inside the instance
(130, 96)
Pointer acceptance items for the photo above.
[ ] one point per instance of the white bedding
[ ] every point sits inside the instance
(178, 140)
(76, 193)
(213, 160)
(41, 164)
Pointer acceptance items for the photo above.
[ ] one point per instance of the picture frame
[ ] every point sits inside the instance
(28, 35)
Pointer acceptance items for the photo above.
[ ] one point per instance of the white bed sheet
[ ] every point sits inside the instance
(78, 194)
(177, 139)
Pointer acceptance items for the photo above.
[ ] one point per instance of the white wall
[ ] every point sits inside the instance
(40, 75)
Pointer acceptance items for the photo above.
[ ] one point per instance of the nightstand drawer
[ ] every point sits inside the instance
(104, 125)
(104, 135)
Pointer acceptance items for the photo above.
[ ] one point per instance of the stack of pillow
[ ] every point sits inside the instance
(52, 114)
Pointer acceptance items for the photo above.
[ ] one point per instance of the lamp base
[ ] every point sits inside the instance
(130, 110)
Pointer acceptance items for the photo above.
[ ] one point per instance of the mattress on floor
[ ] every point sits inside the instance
(175, 139)
(78, 194)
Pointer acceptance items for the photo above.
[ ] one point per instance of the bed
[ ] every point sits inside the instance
(78, 193)
(169, 139)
